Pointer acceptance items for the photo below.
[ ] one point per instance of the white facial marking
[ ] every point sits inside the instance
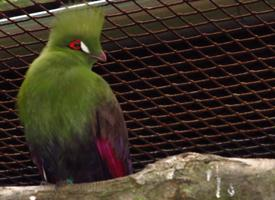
(84, 47)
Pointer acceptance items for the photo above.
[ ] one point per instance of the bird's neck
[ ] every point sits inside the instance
(76, 57)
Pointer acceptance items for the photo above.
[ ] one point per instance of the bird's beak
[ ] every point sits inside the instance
(101, 57)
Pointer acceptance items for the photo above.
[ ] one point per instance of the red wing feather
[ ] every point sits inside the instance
(112, 139)
(109, 156)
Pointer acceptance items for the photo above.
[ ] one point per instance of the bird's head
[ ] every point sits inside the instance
(78, 31)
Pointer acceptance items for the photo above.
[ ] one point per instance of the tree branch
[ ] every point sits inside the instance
(188, 176)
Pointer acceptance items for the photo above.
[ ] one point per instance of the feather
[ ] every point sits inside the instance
(112, 139)
(108, 154)
(67, 27)
(72, 121)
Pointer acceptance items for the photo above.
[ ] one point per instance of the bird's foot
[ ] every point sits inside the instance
(68, 181)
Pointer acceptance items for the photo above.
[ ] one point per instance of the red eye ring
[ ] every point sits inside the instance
(75, 45)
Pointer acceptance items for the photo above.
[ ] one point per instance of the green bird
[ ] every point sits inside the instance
(72, 121)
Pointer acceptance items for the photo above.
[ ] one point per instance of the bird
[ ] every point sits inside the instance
(73, 122)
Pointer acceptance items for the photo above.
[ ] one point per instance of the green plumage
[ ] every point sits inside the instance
(72, 120)
(84, 23)
(62, 80)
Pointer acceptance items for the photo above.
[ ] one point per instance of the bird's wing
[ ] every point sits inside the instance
(112, 139)
(103, 156)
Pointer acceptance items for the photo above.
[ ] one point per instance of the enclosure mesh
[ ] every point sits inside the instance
(190, 76)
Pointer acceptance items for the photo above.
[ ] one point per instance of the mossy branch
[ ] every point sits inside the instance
(188, 176)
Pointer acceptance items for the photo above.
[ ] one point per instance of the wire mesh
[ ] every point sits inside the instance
(189, 75)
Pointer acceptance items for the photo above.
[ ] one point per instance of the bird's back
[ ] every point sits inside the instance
(57, 108)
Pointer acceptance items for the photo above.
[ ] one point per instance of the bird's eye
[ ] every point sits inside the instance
(79, 45)
(75, 45)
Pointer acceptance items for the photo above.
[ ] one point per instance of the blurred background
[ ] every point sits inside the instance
(189, 75)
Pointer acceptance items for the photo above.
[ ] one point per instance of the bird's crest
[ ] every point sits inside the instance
(77, 24)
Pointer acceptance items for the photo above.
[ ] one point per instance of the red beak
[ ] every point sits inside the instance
(102, 57)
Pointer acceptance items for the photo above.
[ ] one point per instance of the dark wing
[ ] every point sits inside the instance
(105, 155)
(112, 139)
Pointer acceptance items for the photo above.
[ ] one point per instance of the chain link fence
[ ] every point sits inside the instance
(189, 75)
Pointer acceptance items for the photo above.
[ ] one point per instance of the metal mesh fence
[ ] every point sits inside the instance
(189, 75)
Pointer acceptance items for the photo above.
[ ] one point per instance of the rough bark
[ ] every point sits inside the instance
(188, 176)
